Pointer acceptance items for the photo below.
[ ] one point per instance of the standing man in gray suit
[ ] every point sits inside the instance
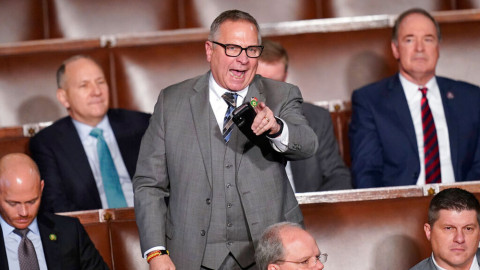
(223, 189)
(453, 230)
(325, 170)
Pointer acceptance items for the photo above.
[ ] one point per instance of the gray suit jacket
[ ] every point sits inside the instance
(175, 162)
(325, 170)
(428, 264)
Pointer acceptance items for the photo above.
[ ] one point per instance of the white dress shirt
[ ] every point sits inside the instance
(219, 107)
(90, 146)
(12, 241)
(414, 97)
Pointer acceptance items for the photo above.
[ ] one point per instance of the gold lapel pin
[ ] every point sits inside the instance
(52, 237)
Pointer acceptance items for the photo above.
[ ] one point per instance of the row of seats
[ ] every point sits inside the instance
(326, 64)
(46, 19)
(373, 229)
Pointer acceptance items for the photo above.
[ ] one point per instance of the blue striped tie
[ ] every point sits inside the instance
(231, 100)
(111, 181)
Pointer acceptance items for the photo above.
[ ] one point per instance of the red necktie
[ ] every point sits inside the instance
(430, 143)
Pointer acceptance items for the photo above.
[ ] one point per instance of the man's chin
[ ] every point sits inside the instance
(21, 224)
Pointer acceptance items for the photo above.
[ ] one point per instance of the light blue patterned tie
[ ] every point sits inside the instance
(111, 181)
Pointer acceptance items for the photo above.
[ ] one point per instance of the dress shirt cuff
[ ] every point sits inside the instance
(153, 249)
(280, 143)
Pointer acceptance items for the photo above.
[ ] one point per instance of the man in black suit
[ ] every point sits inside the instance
(54, 242)
(66, 151)
(326, 169)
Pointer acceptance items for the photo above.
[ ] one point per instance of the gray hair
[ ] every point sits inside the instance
(232, 15)
(420, 11)
(270, 247)
(61, 69)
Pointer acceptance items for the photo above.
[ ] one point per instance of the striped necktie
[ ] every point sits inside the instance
(110, 178)
(27, 257)
(231, 100)
(430, 143)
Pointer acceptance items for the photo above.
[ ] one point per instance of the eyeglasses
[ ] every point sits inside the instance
(234, 50)
(310, 262)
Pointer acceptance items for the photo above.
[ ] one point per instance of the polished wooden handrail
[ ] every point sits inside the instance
(200, 34)
(339, 196)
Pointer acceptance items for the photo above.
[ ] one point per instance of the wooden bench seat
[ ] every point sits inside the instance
(370, 229)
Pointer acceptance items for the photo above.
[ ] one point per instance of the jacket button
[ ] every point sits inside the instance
(202, 232)
(209, 201)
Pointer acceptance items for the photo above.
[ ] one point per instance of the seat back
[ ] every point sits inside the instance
(21, 20)
(201, 13)
(91, 18)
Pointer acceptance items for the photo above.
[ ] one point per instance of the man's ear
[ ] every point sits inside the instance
(273, 266)
(428, 230)
(208, 50)
(395, 52)
(62, 97)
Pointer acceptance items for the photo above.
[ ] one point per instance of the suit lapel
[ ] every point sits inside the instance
(122, 135)
(448, 108)
(51, 247)
(200, 107)
(3, 252)
(397, 98)
(71, 145)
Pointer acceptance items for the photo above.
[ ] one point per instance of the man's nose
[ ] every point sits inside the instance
(419, 46)
(23, 210)
(243, 58)
(319, 265)
(459, 236)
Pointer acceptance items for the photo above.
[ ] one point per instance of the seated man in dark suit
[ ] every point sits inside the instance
(453, 230)
(415, 127)
(287, 245)
(326, 169)
(29, 241)
(88, 158)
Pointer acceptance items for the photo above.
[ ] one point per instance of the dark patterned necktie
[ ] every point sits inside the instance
(231, 100)
(430, 142)
(27, 257)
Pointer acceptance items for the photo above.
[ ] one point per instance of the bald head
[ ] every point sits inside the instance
(20, 190)
(18, 168)
(284, 243)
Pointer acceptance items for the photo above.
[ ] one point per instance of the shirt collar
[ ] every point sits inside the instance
(411, 89)
(84, 129)
(218, 91)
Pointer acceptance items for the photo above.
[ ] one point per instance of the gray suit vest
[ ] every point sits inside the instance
(228, 230)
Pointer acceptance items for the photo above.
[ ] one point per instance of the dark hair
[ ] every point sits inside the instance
(452, 199)
(273, 52)
(409, 12)
(232, 15)
(61, 69)
(270, 246)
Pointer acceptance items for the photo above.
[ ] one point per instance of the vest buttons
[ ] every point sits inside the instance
(202, 233)
(209, 201)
